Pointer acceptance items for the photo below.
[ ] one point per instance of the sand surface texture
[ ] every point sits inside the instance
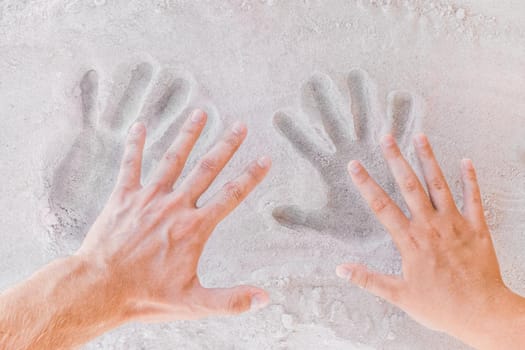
(317, 83)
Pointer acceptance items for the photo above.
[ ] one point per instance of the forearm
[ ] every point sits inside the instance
(500, 326)
(63, 305)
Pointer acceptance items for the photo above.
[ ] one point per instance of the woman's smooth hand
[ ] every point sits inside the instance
(451, 279)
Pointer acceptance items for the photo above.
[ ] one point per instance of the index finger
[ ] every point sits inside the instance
(384, 208)
(209, 167)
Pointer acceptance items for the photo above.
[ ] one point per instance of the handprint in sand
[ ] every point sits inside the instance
(350, 133)
(83, 179)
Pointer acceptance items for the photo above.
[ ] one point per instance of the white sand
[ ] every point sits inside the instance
(463, 62)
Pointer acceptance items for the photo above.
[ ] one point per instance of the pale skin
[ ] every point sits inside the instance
(139, 259)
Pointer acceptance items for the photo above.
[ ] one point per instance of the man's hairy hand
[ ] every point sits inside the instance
(451, 279)
(148, 239)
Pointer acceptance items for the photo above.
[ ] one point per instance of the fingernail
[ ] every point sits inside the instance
(388, 140)
(197, 116)
(354, 167)
(238, 128)
(264, 162)
(467, 164)
(258, 302)
(136, 128)
(420, 139)
(343, 272)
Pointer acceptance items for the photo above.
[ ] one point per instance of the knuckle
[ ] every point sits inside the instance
(434, 233)
(128, 160)
(393, 295)
(379, 204)
(172, 156)
(475, 198)
(364, 280)
(236, 304)
(410, 183)
(233, 190)
(411, 241)
(437, 184)
(208, 165)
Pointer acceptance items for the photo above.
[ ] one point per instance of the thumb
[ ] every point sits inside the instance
(235, 300)
(387, 287)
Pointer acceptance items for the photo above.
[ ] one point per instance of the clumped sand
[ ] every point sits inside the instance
(317, 83)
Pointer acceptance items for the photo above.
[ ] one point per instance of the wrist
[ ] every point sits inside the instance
(104, 293)
(498, 322)
(87, 305)
(65, 304)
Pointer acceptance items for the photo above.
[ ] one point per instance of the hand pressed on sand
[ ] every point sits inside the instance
(451, 279)
(139, 260)
(159, 233)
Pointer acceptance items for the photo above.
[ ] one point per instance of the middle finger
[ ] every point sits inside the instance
(413, 192)
(207, 169)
